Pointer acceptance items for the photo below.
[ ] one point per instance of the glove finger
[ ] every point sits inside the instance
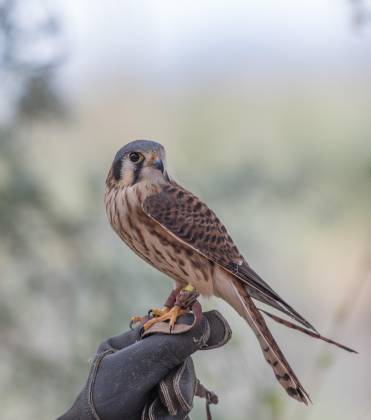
(182, 345)
(220, 331)
(120, 341)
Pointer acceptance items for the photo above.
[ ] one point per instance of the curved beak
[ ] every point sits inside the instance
(159, 164)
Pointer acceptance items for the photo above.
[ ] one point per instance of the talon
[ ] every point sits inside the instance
(177, 312)
(171, 315)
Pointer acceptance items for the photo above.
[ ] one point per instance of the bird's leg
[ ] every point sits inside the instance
(157, 312)
(187, 297)
(169, 303)
(184, 300)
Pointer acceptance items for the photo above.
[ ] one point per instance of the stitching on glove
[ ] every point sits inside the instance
(151, 411)
(96, 363)
(168, 402)
(144, 412)
(176, 383)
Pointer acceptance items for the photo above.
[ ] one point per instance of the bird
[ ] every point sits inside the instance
(175, 232)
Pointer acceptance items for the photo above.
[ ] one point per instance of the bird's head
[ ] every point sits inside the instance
(139, 160)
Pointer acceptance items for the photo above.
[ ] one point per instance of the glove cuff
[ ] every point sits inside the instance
(177, 390)
(216, 333)
(174, 394)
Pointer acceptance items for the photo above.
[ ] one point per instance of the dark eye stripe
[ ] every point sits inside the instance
(136, 173)
(116, 169)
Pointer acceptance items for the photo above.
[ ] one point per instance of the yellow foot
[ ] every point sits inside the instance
(159, 312)
(156, 312)
(171, 315)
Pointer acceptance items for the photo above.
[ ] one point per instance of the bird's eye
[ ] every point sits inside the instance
(135, 157)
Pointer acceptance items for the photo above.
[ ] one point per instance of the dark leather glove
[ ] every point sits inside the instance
(137, 378)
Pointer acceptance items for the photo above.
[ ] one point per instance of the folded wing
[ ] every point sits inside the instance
(191, 221)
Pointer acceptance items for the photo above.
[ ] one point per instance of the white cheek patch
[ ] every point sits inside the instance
(127, 173)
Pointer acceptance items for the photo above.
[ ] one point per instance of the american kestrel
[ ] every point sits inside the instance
(178, 234)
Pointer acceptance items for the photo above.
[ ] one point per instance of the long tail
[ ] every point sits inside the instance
(257, 288)
(287, 310)
(237, 296)
(305, 331)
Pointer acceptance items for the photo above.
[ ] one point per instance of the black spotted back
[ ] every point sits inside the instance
(188, 218)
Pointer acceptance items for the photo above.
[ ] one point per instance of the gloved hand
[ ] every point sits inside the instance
(137, 378)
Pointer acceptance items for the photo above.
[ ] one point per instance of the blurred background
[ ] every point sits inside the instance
(265, 111)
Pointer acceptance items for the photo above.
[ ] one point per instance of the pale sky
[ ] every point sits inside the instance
(165, 38)
(174, 42)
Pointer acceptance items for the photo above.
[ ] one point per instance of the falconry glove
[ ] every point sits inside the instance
(146, 377)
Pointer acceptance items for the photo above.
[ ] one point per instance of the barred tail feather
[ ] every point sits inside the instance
(257, 288)
(258, 295)
(305, 331)
(272, 353)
